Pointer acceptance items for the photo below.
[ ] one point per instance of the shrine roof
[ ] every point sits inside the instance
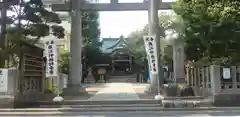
(110, 44)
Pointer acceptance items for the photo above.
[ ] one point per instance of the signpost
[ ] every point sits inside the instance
(52, 58)
(153, 61)
(151, 49)
(52, 64)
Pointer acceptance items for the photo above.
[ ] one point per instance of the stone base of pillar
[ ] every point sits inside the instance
(75, 90)
(152, 89)
(180, 80)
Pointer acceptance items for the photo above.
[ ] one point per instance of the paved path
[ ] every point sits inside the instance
(116, 91)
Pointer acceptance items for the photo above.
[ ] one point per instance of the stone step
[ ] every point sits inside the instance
(107, 102)
(122, 109)
(114, 109)
(184, 98)
(126, 76)
(113, 106)
(187, 103)
(129, 104)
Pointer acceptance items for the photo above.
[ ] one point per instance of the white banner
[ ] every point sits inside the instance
(151, 49)
(52, 58)
(3, 80)
(147, 53)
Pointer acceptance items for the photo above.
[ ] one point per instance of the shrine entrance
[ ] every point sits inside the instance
(76, 6)
(121, 66)
(121, 55)
(122, 60)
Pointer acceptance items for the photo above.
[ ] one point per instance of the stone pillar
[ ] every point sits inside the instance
(178, 61)
(215, 79)
(154, 30)
(3, 24)
(75, 76)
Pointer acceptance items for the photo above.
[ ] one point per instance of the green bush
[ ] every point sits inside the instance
(53, 89)
(64, 63)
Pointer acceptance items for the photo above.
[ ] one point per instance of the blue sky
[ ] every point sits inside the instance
(114, 24)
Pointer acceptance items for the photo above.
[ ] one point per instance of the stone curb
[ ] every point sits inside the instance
(117, 109)
(184, 98)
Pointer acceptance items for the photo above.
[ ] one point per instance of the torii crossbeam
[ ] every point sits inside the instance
(112, 6)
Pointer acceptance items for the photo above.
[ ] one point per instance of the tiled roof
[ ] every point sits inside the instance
(107, 43)
(110, 44)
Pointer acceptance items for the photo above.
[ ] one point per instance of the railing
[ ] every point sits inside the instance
(199, 77)
(211, 79)
(232, 84)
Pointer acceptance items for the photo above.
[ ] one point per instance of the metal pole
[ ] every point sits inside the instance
(154, 30)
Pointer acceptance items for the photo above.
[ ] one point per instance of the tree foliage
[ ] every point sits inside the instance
(167, 20)
(91, 30)
(136, 43)
(91, 53)
(31, 18)
(28, 21)
(211, 28)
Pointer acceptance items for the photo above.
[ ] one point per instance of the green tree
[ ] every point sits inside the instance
(91, 53)
(91, 30)
(91, 34)
(211, 27)
(30, 17)
(170, 21)
(29, 21)
(167, 20)
(90, 27)
(136, 43)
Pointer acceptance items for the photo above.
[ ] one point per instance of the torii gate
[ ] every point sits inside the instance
(76, 6)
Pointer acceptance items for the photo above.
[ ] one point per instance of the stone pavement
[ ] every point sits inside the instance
(116, 91)
(101, 89)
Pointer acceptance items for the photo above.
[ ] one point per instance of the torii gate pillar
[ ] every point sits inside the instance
(75, 76)
(155, 30)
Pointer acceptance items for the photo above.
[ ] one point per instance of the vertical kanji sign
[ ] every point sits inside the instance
(145, 38)
(52, 58)
(151, 50)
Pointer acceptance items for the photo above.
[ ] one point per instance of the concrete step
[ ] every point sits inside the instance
(126, 76)
(108, 102)
(113, 106)
(104, 109)
(112, 109)
(132, 104)
(122, 79)
(187, 103)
